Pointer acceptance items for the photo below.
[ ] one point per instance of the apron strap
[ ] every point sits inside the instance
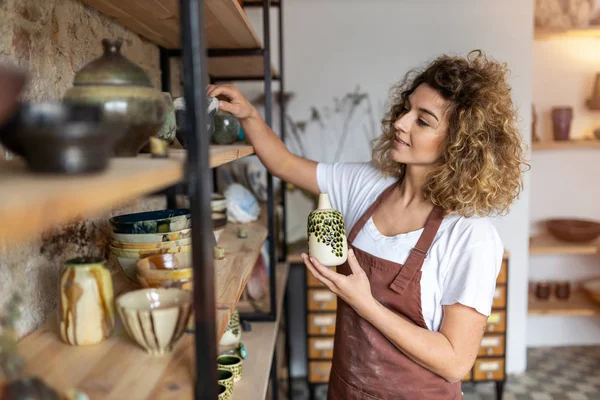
(365, 217)
(418, 253)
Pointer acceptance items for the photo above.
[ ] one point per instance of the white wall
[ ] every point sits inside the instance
(333, 45)
(564, 182)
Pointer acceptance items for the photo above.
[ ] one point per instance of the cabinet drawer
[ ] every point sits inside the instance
(492, 345)
(321, 324)
(489, 369)
(320, 348)
(468, 377)
(499, 296)
(321, 300)
(502, 275)
(496, 322)
(311, 281)
(319, 371)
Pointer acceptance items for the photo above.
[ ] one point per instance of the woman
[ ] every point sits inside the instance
(419, 282)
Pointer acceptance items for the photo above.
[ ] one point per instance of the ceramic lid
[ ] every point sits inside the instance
(112, 69)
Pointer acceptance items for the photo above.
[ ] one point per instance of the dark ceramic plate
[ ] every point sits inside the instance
(161, 221)
(61, 137)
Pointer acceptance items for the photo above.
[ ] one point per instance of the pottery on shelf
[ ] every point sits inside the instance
(225, 378)
(161, 221)
(223, 392)
(159, 314)
(561, 122)
(151, 246)
(327, 234)
(152, 237)
(166, 270)
(233, 332)
(61, 137)
(573, 230)
(231, 363)
(212, 105)
(127, 258)
(86, 311)
(168, 130)
(227, 128)
(125, 93)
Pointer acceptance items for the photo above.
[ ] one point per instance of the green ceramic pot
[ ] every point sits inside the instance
(233, 364)
(126, 95)
(227, 128)
(226, 379)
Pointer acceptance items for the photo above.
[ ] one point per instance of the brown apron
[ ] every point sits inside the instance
(366, 365)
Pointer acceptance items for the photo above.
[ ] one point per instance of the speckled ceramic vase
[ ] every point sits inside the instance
(86, 309)
(233, 333)
(327, 234)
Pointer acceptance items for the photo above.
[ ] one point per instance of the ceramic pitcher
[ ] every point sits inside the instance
(86, 308)
(327, 234)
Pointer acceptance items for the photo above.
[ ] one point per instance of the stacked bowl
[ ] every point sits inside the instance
(141, 235)
(218, 206)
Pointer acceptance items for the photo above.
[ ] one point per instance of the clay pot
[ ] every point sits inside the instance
(543, 290)
(573, 230)
(126, 94)
(226, 128)
(327, 234)
(561, 122)
(86, 310)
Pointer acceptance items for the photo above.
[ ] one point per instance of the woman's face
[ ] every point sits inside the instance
(421, 128)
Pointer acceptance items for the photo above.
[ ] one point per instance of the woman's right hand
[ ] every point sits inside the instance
(232, 101)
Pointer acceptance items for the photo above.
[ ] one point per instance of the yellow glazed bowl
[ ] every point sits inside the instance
(159, 314)
(151, 246)
(163, 269)
(127, 258)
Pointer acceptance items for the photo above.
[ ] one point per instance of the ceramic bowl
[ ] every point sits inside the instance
(150, 246)
(155, 318)
(225, 378)
(231, 363)
(573, 230)
(162, 221)
(127, 259)
(218, 203)
(152, 237)
(224, 394)
(163, 270)
(61, 137)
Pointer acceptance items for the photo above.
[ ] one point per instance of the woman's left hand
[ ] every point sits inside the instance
(354, 289)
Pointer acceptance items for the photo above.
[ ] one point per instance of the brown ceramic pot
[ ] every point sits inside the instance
(126, 94)
(561, 122)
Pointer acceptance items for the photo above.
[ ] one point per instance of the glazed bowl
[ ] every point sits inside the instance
(231, 363)
(164, 270)
(61, 137)
(573, 230)
(152, 237)
(219, 221)
(225, 378)
(127, 259)
(160, 314)
(150, 246)
(162, 221)
(125, 93)
(218, 203)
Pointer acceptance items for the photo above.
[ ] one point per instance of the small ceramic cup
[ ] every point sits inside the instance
(562, 290)
(223, 393)
(543, 290)
(233, 364)
(226, 379)
(159, 314)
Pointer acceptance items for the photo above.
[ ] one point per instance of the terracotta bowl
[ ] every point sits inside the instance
(160, 314)
(573, 230)
(164, 270)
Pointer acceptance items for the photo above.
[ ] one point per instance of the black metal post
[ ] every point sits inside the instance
(198, 172)
(282, 125)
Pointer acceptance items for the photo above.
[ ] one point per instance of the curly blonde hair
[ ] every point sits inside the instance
(480, 169)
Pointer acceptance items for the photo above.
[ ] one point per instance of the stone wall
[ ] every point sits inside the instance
(53, 39)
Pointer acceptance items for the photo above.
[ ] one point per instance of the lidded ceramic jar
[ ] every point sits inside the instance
(125, 93)
(86, 309)
(327, 234)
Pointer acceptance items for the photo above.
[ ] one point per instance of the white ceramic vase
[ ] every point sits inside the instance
(327, 234)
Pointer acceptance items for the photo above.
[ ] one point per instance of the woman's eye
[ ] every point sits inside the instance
(422, 123)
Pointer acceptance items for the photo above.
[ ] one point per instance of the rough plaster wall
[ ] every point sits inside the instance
(53, 39)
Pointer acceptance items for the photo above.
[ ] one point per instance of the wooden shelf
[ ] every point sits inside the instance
(34, 202)
(566, 144)
(118, 367)
(579, 304)
(226, 23)
(546, 34)
(545, 244)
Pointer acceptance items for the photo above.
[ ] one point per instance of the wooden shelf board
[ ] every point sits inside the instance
(226, 23)
(117, 367)
(566, 144)
(545, 34)
(32, 203)
(545, 244)
(579, 304)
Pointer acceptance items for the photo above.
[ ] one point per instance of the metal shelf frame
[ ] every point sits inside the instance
(199, 178)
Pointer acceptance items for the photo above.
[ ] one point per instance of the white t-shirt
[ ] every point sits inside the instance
(464, 259)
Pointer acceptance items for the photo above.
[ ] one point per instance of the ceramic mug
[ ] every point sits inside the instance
(233, 364)
(223, 393)
(226, 379)
(85, 310)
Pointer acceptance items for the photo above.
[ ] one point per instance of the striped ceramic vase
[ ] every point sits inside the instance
(86, 309)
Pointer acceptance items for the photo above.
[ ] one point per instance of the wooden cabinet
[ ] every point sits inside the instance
(320, 348)
(489, 369)
(318, 371)
(321, 324)
(321, 300)
(492, 345)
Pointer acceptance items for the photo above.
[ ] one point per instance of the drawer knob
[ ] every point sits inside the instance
(490, 351)
(489, 375)
(323, 330)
